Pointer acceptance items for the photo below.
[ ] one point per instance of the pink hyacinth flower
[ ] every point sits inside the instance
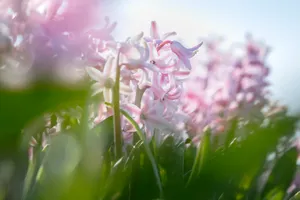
(150, 114)
(155, 36)
(183, 53)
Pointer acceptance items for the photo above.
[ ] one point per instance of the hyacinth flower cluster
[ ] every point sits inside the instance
(151, 85)
(50, 37)
(159, 84)
(232, 85)
(162, 89)
(152, 74)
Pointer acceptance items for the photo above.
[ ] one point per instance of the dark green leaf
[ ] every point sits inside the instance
(282, 174)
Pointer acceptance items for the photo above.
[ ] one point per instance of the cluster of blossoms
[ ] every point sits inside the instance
(49, 37)
(232, 85)
(160, 85)
(166, 93)
(153, 71)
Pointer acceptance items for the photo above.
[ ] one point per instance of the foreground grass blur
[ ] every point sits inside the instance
(78, 162)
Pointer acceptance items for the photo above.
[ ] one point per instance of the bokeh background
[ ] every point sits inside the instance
(275, 22)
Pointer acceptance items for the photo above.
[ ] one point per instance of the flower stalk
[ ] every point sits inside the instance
(116, 109)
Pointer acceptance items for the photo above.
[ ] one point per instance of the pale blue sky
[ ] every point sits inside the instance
(276, 22)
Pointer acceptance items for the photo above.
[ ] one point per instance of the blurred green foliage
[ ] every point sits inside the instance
(79, 161)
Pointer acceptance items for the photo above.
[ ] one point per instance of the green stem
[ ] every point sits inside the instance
(147, 148)
(137, 102)
(116, 116)
(201, 156)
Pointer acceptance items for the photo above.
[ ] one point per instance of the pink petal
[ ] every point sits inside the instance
(186, 62)
(161, 45)
(133, 109)
(153, 30)
(147, 100)
(196, 47)
(53, 8)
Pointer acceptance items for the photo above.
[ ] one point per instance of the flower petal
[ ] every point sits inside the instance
(158, 122)
(196, 47)
(186, 62)
(97, 88)
(166, 35)
(161, 45)
(137, 38)
(107, 93)
(95, 74)
(108, 67)
(133, 110)
(153, 30)
(146, 53)
(125, 89)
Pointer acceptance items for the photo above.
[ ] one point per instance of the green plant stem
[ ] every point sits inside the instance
(201, 156)
(137, 102)
(147, 148)
(116, 116)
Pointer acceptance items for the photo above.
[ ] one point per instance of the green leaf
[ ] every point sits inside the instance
(104, 132)
(296, 196)
(230, 135)
(201, 156)
(147, 150)
(18, 107)
(282, 174)
(171, 161)
(143, 183)
(97, 142)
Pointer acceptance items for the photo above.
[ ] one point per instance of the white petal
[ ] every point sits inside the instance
(146, 51)
(108, 67)
(143, 81)
(125, 89)
(97, 88)
(107, 93)
(134, 52)
(95, 74)
(137, 38)
(158, 122)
